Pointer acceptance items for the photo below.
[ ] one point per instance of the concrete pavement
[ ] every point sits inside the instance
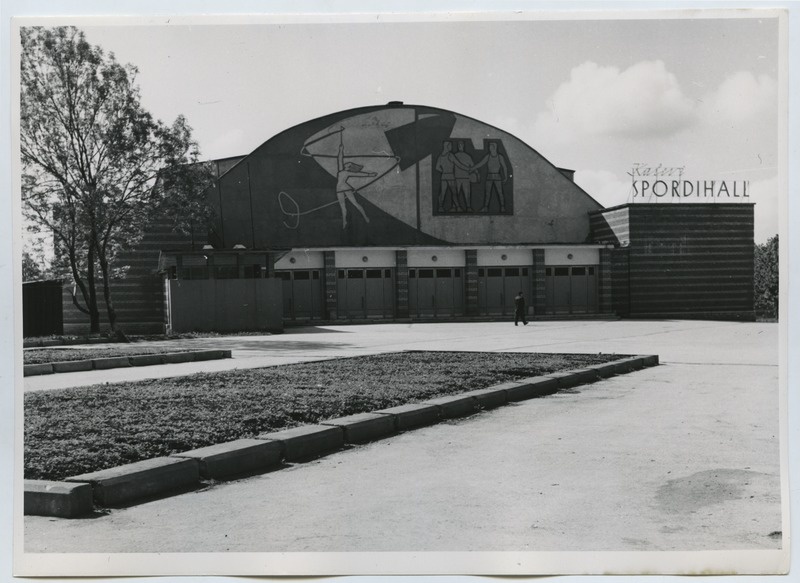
(683, 456)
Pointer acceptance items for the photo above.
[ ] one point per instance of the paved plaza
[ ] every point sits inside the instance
(682, 456)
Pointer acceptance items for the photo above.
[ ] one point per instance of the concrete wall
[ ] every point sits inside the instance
(225, 305)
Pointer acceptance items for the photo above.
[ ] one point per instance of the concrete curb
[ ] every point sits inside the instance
(235, 457)
(125, 484)
(363, 427)
(45, 498)
(306, 441)
(160, 476)
(124, 361)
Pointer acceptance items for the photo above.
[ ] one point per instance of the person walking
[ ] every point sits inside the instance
(519, 310)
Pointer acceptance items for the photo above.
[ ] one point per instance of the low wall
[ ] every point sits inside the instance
(224, 305)
(139, 302)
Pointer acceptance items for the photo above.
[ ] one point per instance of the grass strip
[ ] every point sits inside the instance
(79, 430)
(47, 355)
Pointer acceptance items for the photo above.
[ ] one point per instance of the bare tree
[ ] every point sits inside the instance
(96, 166)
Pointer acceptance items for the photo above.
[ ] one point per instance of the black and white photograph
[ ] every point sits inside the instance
(400, 293)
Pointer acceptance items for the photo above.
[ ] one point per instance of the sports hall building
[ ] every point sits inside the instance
(413, 213)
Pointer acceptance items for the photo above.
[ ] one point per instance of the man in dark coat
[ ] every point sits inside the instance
(519, 309)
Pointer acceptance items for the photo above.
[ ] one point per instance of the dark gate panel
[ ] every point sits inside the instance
(42, 313)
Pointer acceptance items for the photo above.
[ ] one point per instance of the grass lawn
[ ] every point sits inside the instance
(46, 355)
(72, 431)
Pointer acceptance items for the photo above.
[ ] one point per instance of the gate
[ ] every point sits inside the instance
(435, 293)
(498, 286)
(302, 294)
(571, 290)
(365, 293)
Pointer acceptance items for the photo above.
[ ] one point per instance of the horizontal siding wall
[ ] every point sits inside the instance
(693, 260)
(139, 298)
(139, 302)
(610, 226)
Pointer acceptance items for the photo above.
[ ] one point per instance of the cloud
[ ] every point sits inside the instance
(604, 186)
(741, 97)
(644, 100)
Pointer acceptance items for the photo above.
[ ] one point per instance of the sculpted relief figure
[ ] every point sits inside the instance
(446, 165)
(496, 175)
(463, 194)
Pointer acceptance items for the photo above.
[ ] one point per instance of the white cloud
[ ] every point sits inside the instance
(740, 98)
(604, 186)
(644, 100)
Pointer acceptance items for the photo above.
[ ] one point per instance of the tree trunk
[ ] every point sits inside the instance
(112, 312)
(88, 291)
(94, 312)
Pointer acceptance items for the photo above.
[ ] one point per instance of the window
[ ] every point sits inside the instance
(426, 273)
(284, 275)
(373, 273)
(512, 271)
(525, 271)
(578, 271)
(495, 272)
(355, 274)
(442, 273)
(480, 272)
(591, 271)
(561, 271)
(302, 275)
(412, 273)
(315, 274)
(387, 273)
(548, 271)
(341, 274)
(457, 272)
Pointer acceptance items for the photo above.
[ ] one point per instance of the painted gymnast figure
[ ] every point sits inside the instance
(344, 190)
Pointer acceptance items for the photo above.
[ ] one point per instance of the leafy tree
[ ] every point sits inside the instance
(96, 166)
(765, 280)
(30, 267)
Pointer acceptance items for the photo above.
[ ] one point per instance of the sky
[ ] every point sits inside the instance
(596, 96)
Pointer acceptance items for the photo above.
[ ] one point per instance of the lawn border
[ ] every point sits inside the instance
(124, 361)
(143, 480)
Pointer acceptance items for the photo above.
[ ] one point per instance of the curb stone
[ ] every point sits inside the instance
(307, 441)
(72, 366)
(235, 457)
(363, 427)
(124, 484)
(532, 388)
(412, 415)
(489, 398)
(37, 369)
(46, 498)
(454, 405)
(112, 362)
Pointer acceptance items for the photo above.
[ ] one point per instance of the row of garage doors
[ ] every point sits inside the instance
(436, 292)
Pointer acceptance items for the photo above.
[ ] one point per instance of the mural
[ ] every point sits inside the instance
(396, 175)
(457, 173)
(346, 168)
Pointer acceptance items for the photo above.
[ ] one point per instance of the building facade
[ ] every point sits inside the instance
(408, 212)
